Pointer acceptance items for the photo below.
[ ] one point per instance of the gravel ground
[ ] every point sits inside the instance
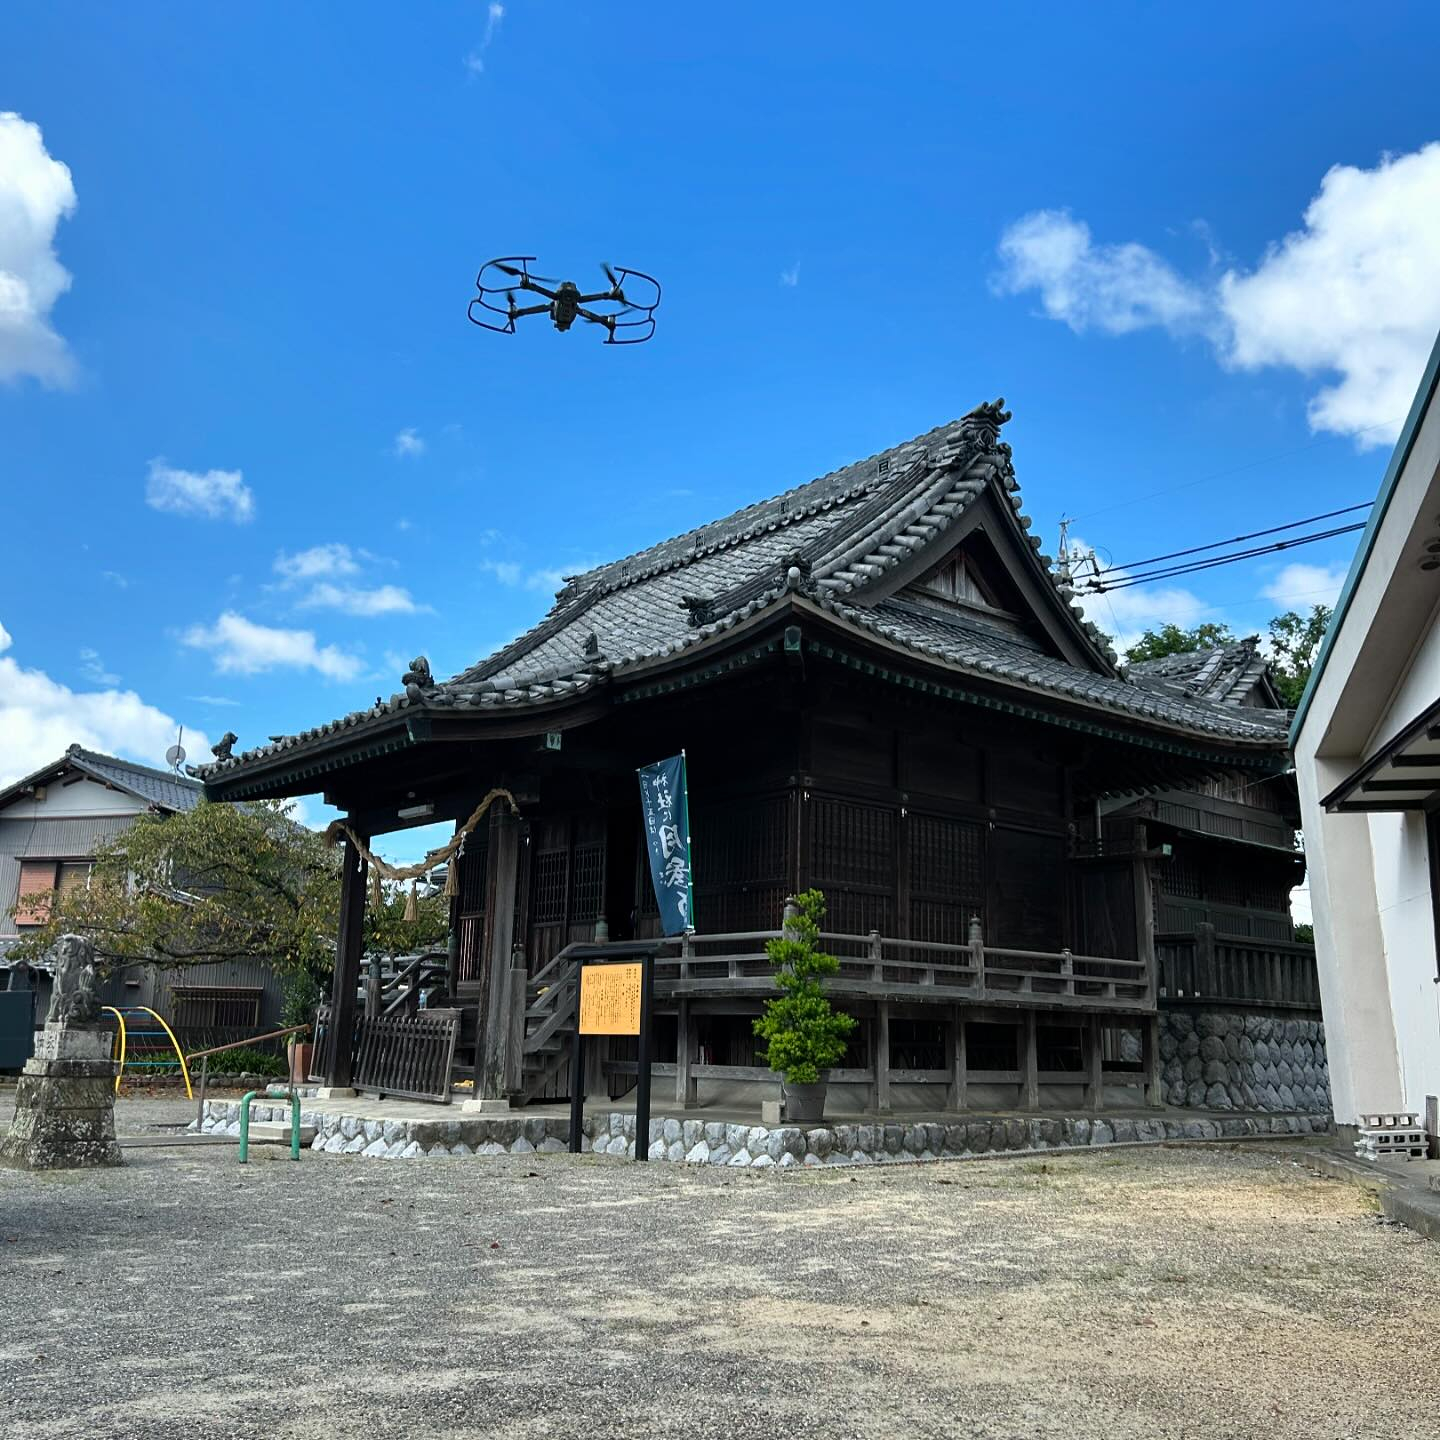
(1174, 1292)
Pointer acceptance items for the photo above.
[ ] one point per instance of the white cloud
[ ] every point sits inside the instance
(93, 668)
(513, 574)
(119, 581)
(408, 442)
(36, 193)
(319, 561)
(1126, 614)
(1353, 295)
(382, 600)
(1299, 586)
(221, 700)
(1114, 288)
(39, 718)
(324, 564)
(211, 495)
(242, 647)
(475, 60)
(791, 277)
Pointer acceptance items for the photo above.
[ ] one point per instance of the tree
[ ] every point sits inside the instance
(224, 882)
(1172, 640)
(803, 1034)
(1294, 644)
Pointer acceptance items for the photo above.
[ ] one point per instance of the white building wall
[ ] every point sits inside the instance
(1401, 854)
(84, 797)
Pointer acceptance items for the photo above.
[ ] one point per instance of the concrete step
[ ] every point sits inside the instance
(277, 1132)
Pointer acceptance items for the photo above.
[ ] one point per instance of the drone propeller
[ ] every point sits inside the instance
(610, 275)
(510, 296)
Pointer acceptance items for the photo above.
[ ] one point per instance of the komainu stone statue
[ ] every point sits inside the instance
(72, 997)
(65, 1097)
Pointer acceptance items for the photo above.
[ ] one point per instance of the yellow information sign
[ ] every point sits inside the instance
(610, 999)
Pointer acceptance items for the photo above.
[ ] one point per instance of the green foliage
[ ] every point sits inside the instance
(249, 1062)
(1305, 933)
(1172, 640)
(803, 1034)
(1294, 644)
(228, 882)
(388, 932)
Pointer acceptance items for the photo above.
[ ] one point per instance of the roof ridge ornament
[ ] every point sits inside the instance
(417, 677)
(799, 573)
(981, 426)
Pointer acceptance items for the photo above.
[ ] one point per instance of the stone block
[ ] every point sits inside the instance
(691, 1133)
(1101, 1133)
(955, 1140)
(893, 1139)
(735, 1136)
(656, 1150)
(70, 1042)
(1016, 1134)
(1123, 1130)
(698, 1154)
(675, 1151)
(740, 1158)
(978, 1137)
(914, 1139)
(714, 1134)
(720, 1154)
(771, 1112)
(821, 1141)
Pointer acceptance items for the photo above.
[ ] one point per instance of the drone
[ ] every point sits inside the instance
(628, 318)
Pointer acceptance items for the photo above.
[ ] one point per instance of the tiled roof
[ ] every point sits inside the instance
(1224, 674)
(830, 541)
(161, 788)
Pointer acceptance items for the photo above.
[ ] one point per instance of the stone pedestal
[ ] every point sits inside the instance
(65, 1103)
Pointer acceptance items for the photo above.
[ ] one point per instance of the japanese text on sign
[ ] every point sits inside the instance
(610, 999)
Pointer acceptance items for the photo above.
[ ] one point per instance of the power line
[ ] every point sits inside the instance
(1098, 586)
(1238, 539)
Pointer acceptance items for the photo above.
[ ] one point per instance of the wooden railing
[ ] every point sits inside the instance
(882, 966)
(1224, 969)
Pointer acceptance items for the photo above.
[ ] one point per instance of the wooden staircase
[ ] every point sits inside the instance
(551, 1003)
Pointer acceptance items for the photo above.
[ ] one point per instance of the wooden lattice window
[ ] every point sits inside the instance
(548, 877)
(947, 877)
(852, 844)
(588, 899)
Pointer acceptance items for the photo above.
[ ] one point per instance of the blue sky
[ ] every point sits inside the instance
(253, 457)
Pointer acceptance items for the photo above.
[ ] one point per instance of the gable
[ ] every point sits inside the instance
(70, 793)
(984, 569)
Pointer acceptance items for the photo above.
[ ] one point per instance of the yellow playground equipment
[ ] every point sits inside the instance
(140, 1044)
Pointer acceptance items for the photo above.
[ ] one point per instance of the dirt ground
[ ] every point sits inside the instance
(1174, 1292)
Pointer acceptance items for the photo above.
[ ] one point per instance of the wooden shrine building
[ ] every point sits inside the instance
(884, 693)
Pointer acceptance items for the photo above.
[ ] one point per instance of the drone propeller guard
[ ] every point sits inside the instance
(630, 322)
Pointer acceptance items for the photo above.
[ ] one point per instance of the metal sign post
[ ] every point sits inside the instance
(616, 997)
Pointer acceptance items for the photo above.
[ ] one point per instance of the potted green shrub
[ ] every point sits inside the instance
(302, 993)
(804, 1036)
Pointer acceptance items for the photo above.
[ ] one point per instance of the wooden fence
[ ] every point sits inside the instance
(1233, 970)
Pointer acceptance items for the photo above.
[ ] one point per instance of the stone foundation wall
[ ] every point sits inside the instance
(1229, 1060)
(713, 1142)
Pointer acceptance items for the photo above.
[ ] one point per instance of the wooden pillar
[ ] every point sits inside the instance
(350, 943)
(1095, 1065)
(882, 1056)
(958, 1098)
(1150, 1043)
(1205, 959)
(687, 1088)
(1030, 1062)
(493, 1037)
(1144, 913)
(517, 989)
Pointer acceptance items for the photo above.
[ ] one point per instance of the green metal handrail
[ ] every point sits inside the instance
(245, 1123)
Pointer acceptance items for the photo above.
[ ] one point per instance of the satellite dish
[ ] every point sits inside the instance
(175, 755)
